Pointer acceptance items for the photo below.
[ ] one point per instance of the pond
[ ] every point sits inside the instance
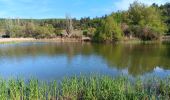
(49, 61)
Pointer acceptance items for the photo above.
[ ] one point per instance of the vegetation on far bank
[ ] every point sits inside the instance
(138, 22)
(87, 88)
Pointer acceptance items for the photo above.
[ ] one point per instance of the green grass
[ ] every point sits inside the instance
(87, 88)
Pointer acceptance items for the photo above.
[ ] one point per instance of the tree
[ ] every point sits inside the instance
(69, 27)
(147, 19)
(109, 31)
(136, 12)
(165, 10)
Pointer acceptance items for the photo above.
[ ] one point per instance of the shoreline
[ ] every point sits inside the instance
(59, 39)
(11, 40)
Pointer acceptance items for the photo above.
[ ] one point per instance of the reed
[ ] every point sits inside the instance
(95, 87)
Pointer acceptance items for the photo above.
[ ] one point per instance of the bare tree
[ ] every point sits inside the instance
(69, 26)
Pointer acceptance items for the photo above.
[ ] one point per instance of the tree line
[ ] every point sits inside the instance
(139, 21)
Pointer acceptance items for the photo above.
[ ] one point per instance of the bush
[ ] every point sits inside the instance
(85, 33)
(57, 32)
(144, 33)
(44, 32)
(89, 32)
(109, 30)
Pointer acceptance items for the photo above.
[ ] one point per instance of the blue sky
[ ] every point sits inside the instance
(58, 8)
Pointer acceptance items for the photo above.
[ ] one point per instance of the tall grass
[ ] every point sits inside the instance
(86, 88)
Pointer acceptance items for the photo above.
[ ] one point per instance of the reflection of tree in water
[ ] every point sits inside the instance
(43, 49)
(137, 58)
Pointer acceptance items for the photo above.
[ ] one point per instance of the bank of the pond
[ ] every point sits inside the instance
(16, 40)
(86, 88)
(66, 39)
(139, 42)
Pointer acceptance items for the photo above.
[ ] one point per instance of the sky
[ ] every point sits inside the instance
(59, 8)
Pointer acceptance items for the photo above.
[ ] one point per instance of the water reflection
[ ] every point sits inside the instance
(137, 58)
(134, 59)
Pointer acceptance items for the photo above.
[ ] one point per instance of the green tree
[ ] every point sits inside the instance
(165, 10)
(109, 31)
(148, 20)
(136, 12)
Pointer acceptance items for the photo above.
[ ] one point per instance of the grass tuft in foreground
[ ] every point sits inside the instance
(86, 88)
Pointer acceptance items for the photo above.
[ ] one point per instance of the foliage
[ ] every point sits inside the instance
(35, 31)
(95, 87)
(44, 32)
(165, 9)
(89, 32)
(110, 30)
(139, 21)
(147, 21)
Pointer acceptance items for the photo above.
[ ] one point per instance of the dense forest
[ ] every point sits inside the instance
(138, 22)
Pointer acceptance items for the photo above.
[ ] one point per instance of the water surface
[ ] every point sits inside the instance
(48, 61)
